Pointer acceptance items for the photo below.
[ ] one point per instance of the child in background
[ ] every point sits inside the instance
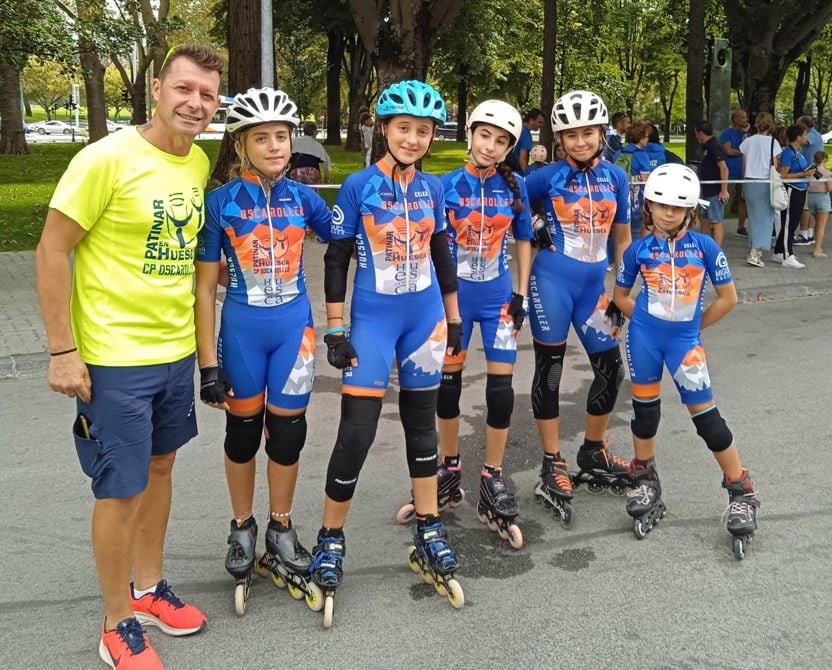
(537, 156)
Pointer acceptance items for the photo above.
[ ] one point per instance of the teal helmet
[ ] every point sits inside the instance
(414, 98)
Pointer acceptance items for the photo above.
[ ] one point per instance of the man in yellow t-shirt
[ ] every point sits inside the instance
(121, 338)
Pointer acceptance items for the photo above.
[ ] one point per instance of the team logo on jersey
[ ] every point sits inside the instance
(180, 210)
(692, 373)
(722, 273)
(398, 241)
(177, 219)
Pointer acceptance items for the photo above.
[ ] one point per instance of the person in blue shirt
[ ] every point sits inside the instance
(814, 144)
(261, 369)
(519, 157)
(483, 201)
(619, 124)
(640, 166)
(675, 264)
(586, 200)
(792, 165)
(730, 139)
(404, 306)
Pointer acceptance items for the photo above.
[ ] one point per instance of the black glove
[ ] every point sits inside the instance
(339, 351)
(542, 236)
(455, 337)
(214, 384)
(615, 315)
(517, 310)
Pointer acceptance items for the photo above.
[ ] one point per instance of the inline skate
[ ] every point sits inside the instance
(449, 489)
(600, 470)
(498, 507)
(644, 502)
(434, 558)
(554, 489)
(288, 561)
(239, 561)
(327, 568)
(741, 513)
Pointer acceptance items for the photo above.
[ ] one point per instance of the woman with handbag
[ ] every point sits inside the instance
(792, 165)
(758, 153)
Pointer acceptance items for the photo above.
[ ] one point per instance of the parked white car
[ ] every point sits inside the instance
(53, 127)
(827, 137)
(113, 127)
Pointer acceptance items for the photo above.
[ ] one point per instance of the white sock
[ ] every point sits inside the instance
(139, 594)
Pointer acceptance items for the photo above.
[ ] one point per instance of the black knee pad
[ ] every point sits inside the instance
(711, 427)
(499, 399)
(242, 436)
(285, 437)
(609, 373)
(417, 410)
(356, 432)
(646, 417)
(548, 367)
(450, 388)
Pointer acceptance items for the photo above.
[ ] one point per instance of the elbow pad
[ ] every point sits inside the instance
(440, 252)
(336, 265)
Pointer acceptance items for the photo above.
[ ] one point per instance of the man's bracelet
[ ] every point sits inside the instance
(61, 353)
(336, 329)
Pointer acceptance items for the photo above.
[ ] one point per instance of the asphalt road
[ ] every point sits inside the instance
(590, 597)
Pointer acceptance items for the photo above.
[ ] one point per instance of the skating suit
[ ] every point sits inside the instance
(267, 339)
(479, 213)
(396, 304)
(666, 320)
(567, 285)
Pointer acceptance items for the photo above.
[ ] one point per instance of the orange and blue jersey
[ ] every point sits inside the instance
(392, 222)
(668, 312)
(480, 212)
(675, 275)
(260, 231)
(581, 205)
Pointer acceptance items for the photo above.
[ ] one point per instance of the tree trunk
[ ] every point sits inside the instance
(462, 103)
(766, 38)
(547, 86)
(334, 54)
(358, 70)
(12, 137)
(91, 12)
(695, 76)
(27, 107)
(801, 86)
(243, 68)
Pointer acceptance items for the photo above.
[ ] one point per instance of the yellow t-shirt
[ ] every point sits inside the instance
(132, 290)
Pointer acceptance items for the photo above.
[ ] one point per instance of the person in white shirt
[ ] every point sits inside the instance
(367, 128)
(758, 151)
(310, 161)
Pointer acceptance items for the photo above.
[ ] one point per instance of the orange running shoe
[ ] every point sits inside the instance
(126, 647)
(165, 610)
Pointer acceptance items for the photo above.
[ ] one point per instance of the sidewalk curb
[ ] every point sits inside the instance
(24, 366)
(779, 292)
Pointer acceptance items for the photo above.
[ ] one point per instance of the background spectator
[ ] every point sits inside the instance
(308, 157)
(731, 138)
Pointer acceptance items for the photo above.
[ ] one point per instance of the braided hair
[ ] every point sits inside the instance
(508, 175)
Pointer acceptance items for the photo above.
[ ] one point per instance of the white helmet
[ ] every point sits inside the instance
(538, 154)
(578, 109)
(496, 113)
(673, 184)
(260, 105)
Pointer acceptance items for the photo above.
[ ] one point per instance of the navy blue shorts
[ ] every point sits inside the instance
(136, 412)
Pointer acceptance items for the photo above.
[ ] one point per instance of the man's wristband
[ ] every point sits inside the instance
(61, 353)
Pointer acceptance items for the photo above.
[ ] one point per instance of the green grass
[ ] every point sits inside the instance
(27, 182)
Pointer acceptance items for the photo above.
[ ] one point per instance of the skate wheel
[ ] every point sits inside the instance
(427, 578)
(295, 592)
(411, 559)
(618, 490)
(278, 581)
(406, 513)
(315, 597)
(241, 599)
(503, 533)
(594, 489)
(514, 536)
(639, 529)
(440, 589)
(492, 526)
(739, 548)
(260, 566)
(482, 517)
(455, 595)
(458, 498)
(329, 611)
(566, 517)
